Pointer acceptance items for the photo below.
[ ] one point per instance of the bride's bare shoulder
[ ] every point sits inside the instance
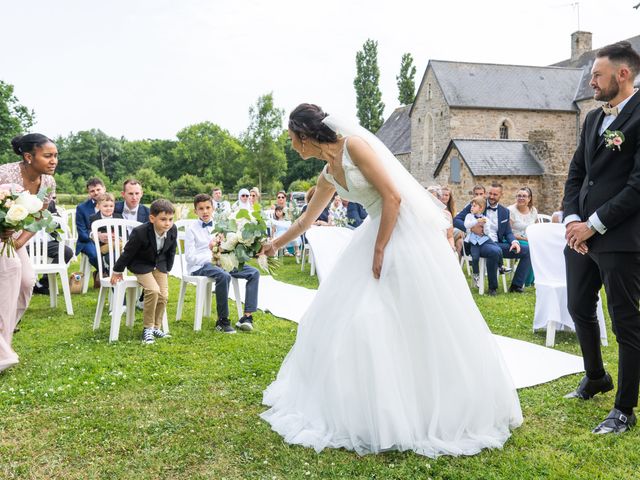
(357, 146)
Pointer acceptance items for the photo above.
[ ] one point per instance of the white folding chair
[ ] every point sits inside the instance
(546, 247)
(42, 264)
(204, 285)
(542, 218)
(117, 234)
(482, 270)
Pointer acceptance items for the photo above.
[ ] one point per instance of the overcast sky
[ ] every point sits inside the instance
(147, 68)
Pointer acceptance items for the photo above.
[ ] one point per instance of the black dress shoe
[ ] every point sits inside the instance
(588, 388)
(616, 422)
(516, 289)
(492, 292)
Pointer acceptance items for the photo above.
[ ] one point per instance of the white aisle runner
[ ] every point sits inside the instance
(529, 364)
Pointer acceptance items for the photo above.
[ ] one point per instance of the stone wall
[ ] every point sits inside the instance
(426, 150)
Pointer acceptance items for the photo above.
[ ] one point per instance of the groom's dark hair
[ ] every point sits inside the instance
(306, 122)
(622, 52)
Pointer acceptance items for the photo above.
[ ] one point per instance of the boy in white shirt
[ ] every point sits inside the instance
(197, 247)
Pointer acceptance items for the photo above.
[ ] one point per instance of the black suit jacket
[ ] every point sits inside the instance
(142, 214)
(140, 253)
(607, 181)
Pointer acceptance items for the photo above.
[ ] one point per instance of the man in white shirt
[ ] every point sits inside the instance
(219, 204)
(197, 249)
(131, 208)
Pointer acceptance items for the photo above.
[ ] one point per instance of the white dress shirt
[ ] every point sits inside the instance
(196, 246)
(491, 227)
(159, 240)
(128, 214)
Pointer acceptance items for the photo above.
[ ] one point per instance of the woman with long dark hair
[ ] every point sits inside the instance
(38, 161)
(393, 353)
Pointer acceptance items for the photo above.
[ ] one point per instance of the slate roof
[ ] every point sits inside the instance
(494, 157)
(484, 85)
(585, 62)
(395, 132)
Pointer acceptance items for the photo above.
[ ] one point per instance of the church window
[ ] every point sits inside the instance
(504, 131)
(454, 175)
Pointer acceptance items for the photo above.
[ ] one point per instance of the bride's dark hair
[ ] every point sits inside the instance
(306, 122)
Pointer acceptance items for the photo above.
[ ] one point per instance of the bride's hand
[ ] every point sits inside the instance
(378, 257)
(268, 249)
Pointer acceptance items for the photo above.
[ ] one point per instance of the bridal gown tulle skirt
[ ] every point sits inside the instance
(405, 362)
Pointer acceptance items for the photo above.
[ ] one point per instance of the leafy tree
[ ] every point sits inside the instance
(155, 185)
(266, 160)
(368, 95)
(188, 186)
(14, 119)
(208, 152)
(297, 167)
(406, 82)
(91, 153)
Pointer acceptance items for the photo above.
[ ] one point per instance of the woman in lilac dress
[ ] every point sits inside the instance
(39, 158)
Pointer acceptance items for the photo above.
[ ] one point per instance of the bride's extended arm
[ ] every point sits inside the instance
(371, 167)
(321, 198)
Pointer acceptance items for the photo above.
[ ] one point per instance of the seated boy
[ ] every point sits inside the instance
(198, 256)
(105, 203)
(149, 255)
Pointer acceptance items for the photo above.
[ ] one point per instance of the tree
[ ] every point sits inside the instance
(208, 152)
(368, 94)
(14, 119)
(266, 160)
(406, 82)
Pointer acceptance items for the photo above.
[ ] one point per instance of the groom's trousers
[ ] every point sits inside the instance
(620, 274)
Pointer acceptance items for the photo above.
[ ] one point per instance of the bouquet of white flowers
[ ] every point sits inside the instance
(240, 237)
(21, 210)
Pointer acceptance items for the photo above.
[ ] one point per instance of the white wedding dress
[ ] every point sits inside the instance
(405, 362)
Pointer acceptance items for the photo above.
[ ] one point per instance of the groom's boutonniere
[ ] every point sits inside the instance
(613, 140)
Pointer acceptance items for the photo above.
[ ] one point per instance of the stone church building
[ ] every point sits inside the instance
(475, 123)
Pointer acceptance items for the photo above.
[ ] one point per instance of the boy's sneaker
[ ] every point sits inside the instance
(245, 323)
(224, 325)
(502, 270)
(147, 336)
(476, 280)
(160, 334)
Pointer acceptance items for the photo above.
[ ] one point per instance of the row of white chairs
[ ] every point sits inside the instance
(118, 231)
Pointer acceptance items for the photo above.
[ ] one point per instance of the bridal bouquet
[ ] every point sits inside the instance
(21, 210)
(239, 237)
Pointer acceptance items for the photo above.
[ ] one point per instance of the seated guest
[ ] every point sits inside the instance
(220, 205)
(279, 225)
(323, 218)
(105, 203)
(476, 217)
(500, 232)
(95, 187)
(450, 204)
(149, 255)
(254, 196)
(243, 202)
(197, 249)
(355, 214)
(523, 214)
(558, 215)
(436, 191)
(281, 201)
(130, 207)
(478, 190)
(338, 212)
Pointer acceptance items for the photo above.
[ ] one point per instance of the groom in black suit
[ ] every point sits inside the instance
(602, 214)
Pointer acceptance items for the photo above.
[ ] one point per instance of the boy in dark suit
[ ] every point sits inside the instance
(149, 255)
(105, 204)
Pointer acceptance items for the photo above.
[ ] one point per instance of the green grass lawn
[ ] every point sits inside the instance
(77, 407)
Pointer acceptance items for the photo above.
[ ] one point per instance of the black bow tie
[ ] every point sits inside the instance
(208, 224)
(495, 209)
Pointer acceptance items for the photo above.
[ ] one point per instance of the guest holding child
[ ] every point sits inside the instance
(149, 255)
(197, 246)
(279, 225)
(476, 217)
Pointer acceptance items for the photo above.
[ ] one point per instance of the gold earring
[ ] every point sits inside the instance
(302, 147)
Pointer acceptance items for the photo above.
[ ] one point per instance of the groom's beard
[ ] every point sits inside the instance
(606, 94)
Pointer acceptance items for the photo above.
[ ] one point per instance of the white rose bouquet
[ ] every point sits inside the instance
(239, 237)
(21, 210)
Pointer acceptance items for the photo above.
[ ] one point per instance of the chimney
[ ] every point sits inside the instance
(580, 43)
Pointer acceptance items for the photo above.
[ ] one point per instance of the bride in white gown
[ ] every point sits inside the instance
(393, 353)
